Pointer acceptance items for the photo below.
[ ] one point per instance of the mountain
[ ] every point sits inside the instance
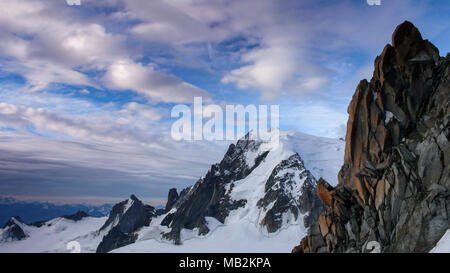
(13, 230)
(258, 198)
(51, 236)
(265, 179)
(41, 211)
(394, 185)
(125, 219)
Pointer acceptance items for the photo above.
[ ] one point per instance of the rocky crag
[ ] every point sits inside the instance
(124, 220)
(13, 230)
(394, 186)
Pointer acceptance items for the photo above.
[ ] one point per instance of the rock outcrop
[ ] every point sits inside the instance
(125, 219)
(76, 216)
(394, 186)
(208, 196)
(172, 198)
(281, 194)
(13, 230)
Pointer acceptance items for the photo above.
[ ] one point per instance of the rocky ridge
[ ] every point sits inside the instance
(124, 220)
(394, 186)
(13, 230)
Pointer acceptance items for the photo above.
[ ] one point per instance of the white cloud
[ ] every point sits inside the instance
(140, 116)
(40, 166)
(73, 2)
(48, 41)
(65, 48)
(126, 75)
(88, 127)
(147, 112)
(268, 70)
(295, 40)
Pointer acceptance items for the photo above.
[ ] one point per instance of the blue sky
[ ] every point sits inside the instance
(86, 91)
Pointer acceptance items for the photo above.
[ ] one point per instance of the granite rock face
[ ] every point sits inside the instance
(394, 186)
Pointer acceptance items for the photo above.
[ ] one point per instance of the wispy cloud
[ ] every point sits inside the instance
(50, 42)
(125, 75)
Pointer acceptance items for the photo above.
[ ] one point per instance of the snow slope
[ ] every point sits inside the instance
(443, 246)
(55, 234)
(229, 237)
(322, 156)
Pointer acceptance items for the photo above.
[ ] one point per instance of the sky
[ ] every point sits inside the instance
(86, 91)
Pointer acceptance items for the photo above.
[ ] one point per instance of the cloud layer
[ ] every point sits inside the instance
(86, 90)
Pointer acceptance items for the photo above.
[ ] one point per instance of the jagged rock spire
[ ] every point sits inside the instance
(394, 185)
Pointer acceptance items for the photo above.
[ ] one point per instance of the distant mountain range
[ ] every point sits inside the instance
(31, 212)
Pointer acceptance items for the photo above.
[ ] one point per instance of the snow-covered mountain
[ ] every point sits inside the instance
(13, 230)
(51, 236)
(264, 183)
(259, 198)
(125, 219)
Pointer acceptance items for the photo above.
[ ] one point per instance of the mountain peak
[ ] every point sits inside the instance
(13, 230)
(407, 46)
(134, 198)
(13, 221)
(172, 197)
(405, 31)
(126, 218)
(259, 175)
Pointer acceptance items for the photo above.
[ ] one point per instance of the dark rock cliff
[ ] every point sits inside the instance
(394, 186)
(12, 231)
(278, 191)
(124, 220)
(172, 198)
(76, 216)
(208, 196)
